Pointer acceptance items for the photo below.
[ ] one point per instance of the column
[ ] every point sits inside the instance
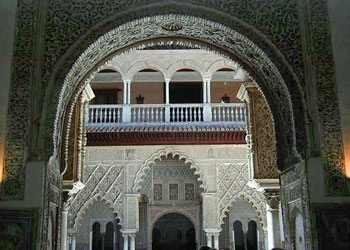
(167, 91)
(216, 240)
(208, 91)
(167, 101)
(125, 84)
(281, 222)
(272, 227)
(129, 92)
(90, 240)
(204, 91)
(103, 241)
(132, 241)
(272, 218)
(115, 238)
(125, 241)
(233, 240)
(209, 240)
(73, 241)
(258, 239)
(64, 228)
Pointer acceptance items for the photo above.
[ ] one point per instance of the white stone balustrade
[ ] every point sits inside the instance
(167, 113)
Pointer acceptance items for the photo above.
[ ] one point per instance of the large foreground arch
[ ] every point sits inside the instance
(191, 32)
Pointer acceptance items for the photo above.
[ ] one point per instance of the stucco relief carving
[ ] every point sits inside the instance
(146, 166)
(264, 139)
(105, 183)
(294, 194)
(232, 185)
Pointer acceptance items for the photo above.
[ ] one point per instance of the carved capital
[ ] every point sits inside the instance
(272, 198)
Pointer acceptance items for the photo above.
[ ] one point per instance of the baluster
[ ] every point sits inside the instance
(240, 114)
(92, 115)
(142, 114)
(214, 114)
(199, 113)
(95, 115)
(179, 114)
(236, 114)
(195, 114)
(109, 114)
(185, 119)
(156, 115)
(101, 115)
(190, 111)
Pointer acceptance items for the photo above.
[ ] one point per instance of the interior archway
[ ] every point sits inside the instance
(254, 62)
(173, 231)
(251, 58)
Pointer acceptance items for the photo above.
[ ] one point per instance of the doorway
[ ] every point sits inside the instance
(185, 92)
(173, 231)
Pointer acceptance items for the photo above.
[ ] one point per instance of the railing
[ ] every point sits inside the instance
(166, 113)
(234, 112)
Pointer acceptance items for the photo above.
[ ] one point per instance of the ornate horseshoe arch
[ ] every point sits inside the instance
(146, 166)
(182, 30)
(258, 206)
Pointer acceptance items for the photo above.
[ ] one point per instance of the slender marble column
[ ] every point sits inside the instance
(167, 91)
(209, 240)
(129, 92)
(114, 239)
(204, 91)
(90, 240)
(233, 240)
(216, 241)
(272, 227)
(126, 241)
(132, 241)
(103, 241)
(208, 91)
(258, 239)
(125, 84)
(64, 228)
(73, 241)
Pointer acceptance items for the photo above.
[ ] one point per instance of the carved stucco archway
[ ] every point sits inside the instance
(146, 166)
(259, 207)
(194, 32)
(106, 184)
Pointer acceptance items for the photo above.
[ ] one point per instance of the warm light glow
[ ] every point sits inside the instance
(2, 156)
(347, 161)
(347, 153)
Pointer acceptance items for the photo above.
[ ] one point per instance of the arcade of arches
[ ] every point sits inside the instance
(130, 126)
(166, 151)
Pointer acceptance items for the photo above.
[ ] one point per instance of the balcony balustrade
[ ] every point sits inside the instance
(167, 113)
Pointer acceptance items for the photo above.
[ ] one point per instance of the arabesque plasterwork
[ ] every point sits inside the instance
(106, 182)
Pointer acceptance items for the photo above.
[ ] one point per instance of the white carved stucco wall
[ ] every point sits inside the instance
(99, 212)
(222, 170)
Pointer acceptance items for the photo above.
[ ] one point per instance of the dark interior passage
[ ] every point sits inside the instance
(173, 232)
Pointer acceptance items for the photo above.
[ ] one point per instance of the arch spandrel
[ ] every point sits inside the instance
(252, 58)
(172, 69)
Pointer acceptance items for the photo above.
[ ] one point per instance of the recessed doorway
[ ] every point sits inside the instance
(173, 231)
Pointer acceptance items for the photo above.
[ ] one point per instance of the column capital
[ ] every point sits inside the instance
(272, 198)
(216, 235)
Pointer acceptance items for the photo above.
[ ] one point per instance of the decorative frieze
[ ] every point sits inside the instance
(164, 138)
